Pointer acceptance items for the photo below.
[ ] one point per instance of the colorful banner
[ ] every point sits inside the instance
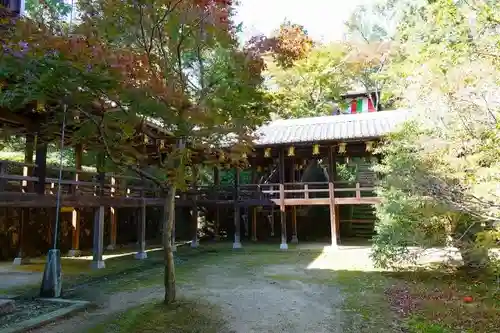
(361, 105)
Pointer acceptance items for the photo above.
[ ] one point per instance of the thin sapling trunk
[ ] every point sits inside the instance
(168, 222)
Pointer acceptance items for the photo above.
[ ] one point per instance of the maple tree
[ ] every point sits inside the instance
(175, 64)
(286, 45)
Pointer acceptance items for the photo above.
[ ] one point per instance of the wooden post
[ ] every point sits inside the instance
(271, 219)
(331, 192)
(141, 253)
(295, 239)
(3, 172)
(97, 260)
(337, 221)
(217, 209)
(254, 224)
(75, 214)
(112, 228)
(98, 247)
(25, 212)
(254, 209)
(194, 209)
(28, 159)
(41, 165)
(283, 245)
(237, 222)
(112, 218)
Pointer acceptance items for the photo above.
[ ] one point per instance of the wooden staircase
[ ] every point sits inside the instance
(365, 175)
(362, 221)
(362, 217)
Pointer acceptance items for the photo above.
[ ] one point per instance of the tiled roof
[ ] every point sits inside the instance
(327, 128)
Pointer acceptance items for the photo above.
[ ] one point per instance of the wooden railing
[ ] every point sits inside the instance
(12, 5)
(16, 177)
(21, 178)
(309, 190)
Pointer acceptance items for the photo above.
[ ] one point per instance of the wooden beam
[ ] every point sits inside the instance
(237, 222)
(217, 209)
(283, 245)
(295, 239)
(75, 214)
(254, 224)
(41, 165)
(28, 160)
(141, 219)
(331, 194)
(194, 210)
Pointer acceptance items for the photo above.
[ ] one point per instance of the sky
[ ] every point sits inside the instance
(323, 19)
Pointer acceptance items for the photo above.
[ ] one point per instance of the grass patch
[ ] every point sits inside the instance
(420, 301)
(365, 301)
(440, 304)
(185, 316)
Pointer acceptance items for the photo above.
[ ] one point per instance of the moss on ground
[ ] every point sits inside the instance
(185, 316)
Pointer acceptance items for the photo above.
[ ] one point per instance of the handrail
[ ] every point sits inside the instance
(130, 186)
(17, 163)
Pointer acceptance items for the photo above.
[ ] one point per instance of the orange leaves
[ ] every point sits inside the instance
(368, 53)
(293, 43)
(217, 13)
(290, 43)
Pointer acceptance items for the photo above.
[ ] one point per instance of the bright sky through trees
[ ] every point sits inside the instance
(324, 19)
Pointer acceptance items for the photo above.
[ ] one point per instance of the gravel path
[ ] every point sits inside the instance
(256, 302)
(251, 298)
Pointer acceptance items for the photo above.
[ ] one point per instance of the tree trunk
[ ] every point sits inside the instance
(168, 222)
(475, 257)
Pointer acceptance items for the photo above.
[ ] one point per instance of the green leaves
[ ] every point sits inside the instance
(310, 86)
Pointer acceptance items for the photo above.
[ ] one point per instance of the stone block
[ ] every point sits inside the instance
(7, 306)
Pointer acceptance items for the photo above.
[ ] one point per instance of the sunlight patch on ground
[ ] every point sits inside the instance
(112, 255)
(350, 258)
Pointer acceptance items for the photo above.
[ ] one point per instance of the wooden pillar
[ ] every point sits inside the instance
(237, 222)
(283, 245)
(331, 192)
(97, 260)
(141, 253)
(254, 209)
(194, 210)
(75, 214)
(271, 217)
(254, 224)
(295, 239)
(26, 187)
(217, 209)
(41, 165)
(98, 247)
(337, 222)
(112, 218)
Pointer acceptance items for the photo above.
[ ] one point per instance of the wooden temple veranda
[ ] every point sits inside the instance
(279, 164)
(283, 152)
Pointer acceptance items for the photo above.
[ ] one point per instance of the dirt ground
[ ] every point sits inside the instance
(257, 292)
(256, 302)
(246, 292)
(10, 277)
